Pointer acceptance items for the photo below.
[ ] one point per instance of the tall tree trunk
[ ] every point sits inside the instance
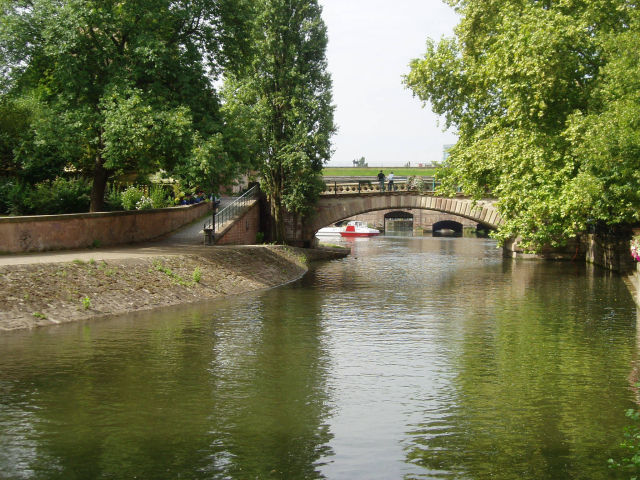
(100, 175)
(278, 221)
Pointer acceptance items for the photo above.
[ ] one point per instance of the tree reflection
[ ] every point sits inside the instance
(231, 389)
(539, 367)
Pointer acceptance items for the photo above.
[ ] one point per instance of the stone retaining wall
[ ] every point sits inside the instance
(608, 251)
(244, 230)
(82, 230)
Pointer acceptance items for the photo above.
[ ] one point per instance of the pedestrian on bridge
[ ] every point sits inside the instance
(381, 180)
(391, 181)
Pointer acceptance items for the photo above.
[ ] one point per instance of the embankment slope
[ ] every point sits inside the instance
(42, 294)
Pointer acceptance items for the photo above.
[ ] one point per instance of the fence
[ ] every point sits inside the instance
(233, 210)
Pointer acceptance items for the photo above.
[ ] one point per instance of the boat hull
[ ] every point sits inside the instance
(329, 232)
(359, 234)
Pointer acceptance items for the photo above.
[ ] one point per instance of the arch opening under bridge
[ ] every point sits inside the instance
(446, 226)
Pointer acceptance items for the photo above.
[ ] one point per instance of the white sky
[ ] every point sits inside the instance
(371, 43)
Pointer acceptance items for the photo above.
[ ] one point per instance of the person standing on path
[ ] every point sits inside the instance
(391, 181)
(381, 180)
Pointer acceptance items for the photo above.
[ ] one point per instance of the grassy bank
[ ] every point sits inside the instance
(361, 172)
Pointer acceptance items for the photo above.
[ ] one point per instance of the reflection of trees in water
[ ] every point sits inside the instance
(168, 394)
(275, 418)
(541, 369)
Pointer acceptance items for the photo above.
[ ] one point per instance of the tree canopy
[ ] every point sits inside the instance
(544, 97)
(107, 87)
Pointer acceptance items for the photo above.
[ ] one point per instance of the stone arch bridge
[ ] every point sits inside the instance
(335, 206)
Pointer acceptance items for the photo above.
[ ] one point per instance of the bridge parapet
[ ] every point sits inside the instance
(370, 186)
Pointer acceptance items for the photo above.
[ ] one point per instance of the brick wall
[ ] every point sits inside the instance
(243, 231)
(81, 230)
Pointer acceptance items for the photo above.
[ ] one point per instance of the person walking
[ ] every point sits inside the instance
(390, 181)
(381, 180)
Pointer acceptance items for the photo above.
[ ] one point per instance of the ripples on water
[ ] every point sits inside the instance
(411, 358)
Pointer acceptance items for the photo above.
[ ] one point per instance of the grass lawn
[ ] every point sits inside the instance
(372, 172)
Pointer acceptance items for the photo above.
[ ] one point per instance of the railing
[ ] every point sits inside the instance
(234, 209)
(418, 184)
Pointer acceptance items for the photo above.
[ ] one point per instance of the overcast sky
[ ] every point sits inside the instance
(371, 43)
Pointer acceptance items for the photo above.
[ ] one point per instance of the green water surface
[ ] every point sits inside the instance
(412, 358)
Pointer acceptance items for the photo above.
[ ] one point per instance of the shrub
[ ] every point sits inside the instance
(12, 195)
(130, 197)
(58, 196)
(86, 302)
(197, 275)
(113, 198)
(145, 203)
(158, 196)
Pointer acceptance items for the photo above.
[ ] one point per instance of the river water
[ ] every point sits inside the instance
(413, 358)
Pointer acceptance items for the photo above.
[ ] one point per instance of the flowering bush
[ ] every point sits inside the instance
(145, 203)
(635, 248)
(130, 198)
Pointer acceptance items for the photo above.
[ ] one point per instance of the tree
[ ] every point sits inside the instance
(360, 162)
(514, 83)
(606, 139)
(125, 85)
(287, 90)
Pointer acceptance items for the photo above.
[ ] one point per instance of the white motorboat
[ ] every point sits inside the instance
(356, 228)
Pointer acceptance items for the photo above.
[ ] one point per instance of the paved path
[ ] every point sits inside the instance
(187, 238)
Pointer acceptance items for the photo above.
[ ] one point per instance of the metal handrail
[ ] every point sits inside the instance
(234, 209)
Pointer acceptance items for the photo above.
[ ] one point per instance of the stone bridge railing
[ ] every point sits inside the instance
(401, 184)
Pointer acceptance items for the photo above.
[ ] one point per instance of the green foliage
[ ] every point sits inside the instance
(40, 315)
(159, 197)
(209, 165)
(197, 275)
(86, 302)
(11, 197)
(631, 445)
(260, 238)
(49, 197)
(113, 198)
(61, 196)
(175, 278)
(155, 136)
(130, 197)
(541, 94)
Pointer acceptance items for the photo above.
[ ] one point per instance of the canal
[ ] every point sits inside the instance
(413, 358)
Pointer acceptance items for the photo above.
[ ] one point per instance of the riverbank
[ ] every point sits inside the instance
(96, 285)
